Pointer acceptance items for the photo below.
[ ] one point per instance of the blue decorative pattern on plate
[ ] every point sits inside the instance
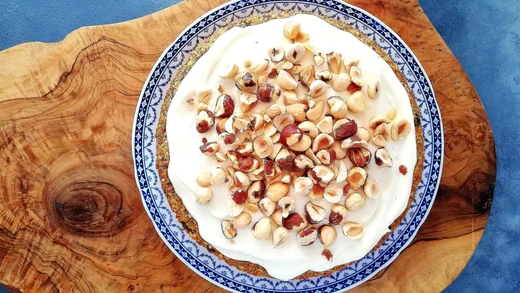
(154, 198)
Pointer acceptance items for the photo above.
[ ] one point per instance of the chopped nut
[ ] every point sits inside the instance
(316, 192)
(325, 125)
(224, 106)
(291, 29)
(205, 119)
(228, 70)
(376, 121)
(276, 217)
(324, 75)
(340, 82)
(203, 195)
(239, 195)
(353, 142)
(356, 177)
(302, 186)
(290, 134)
(262, 229)
(256, 191)
(326, 156)
(279, 236)
(344, 128)
(391, 114)
(317, 88)
(373, 88)
(363, 134)
(267, 206)
(360, 157)
(334, 61)
(333, 194)
(307, 75)
(233, 209)
(303, 162)
(248, 102)
(294, 222)
(245, 82)
(218, 176)
(309, 128)
(322, 141)
(342, 172)
(204, 179)
(357, 102)
(355, 75)
(327, 235)
(287, 204)
(276, 54)
(221, 125)
(258, 66)
(384, 130)
(371, 189)
(295, 52)
(379, 140)
(354, 201)
(263, 146)
(353, 230)
(322, 174)
(350, 61)
(242, 220)
(298, 111)
(383, 158)
(266, 92)
(286, 81)
(289, 98)
(209, 148)
(307, 236)
(273, 111)
(277, 190)
(337, 214)
(316, 112)
(319, 59)
(201, 107)
(400, 129)
(338, 107)
(340, 153)
(303, 145)
(228, 229)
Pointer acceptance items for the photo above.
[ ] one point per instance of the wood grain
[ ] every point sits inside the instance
(71, 218)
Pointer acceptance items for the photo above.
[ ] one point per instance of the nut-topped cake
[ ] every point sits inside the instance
(292, 144)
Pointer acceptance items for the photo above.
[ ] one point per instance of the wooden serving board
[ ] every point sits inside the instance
(71, 218)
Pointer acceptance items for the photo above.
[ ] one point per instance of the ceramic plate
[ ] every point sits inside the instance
(154, 198)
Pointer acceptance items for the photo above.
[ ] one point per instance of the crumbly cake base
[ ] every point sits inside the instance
(163, 158)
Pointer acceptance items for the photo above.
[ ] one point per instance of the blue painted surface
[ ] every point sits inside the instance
(485, 37)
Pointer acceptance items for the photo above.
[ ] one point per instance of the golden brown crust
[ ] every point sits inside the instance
(163, 158)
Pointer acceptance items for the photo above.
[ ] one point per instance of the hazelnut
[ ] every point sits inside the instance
(276, 149)
(224, 106)
(342, 172)
(309, 128)
(245, 82)
(379, 140)
(218, 176)
(340, 153)
(221, 157)
(334, 170)
(307, 100)
(303, 145)
(373, 88)
(391, 114)
(350, 61)
(384, 130)
(262, 229)
(322, 141)
(203, 195)
(228, 70)
(371, 189)
(333, 194)
(319, 59)
(400, 129)
(301, 37)
(360, 157)
(403, 170)
(233, 209)
(344, 128)
(269, 129)
(356, 177)
(277, 190)
(276, 54)
(287, 204)
(263, 146)
(286, 179)
(353, 230)
(354, 201)
(228, 229)
(324, 75)
(228, 124)
(383, 158)
(326, 156)
(229, 139)
(273, 111)
(283, 65)
(256, 191)
(310, 154)
(298, 111)
(303, 162)
(294, 52)
(201, 107)
(316, 192)
(291, 29)
(327, 235)
(251, 207)
(334, 61)
(209, 148)
(355, 75)
(266, 92)
(279, 236)
(317, 88)
(258, 66)
(283, 120)
(353, 142)
(357, 102)
(314, 213)
(338, 107)
(316, 112)
(205, 119)
(286, 81)
(338, 213)
(289, 98)
(307, 236)
(204, 179)
(340, 82)
(364, 134)
(241, 179)
(294, 222)
(269, 168)
(276, 217)
(267, 206)
(376, 121)
(325, 125)
(302, 186)
(248, 102)
(239, 195)
(322, 174)
(307, 75)
(220, 125)
(240, 122)
(296, 69)
(275, 137)
(245, 148)
(241, 221)
(285, 159)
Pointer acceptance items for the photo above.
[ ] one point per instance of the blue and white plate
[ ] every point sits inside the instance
(154, 198)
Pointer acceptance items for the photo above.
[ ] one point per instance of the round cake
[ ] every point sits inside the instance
(292, 145)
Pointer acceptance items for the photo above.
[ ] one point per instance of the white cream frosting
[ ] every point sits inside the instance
(187, 162)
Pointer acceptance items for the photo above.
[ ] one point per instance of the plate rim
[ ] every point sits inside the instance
(327, 3)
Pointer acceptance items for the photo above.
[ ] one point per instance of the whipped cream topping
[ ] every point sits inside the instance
(289, 259)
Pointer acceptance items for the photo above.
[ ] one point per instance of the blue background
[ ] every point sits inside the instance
(483, 34)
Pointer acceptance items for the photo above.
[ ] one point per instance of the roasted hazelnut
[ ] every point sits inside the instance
(360, 157)
(333, 193)
(285, 159)
(302, 186)
(344, 128)
(371, 189)
(355, 75)
(287, 204)
(334, 61)
(267, 206)
(307, 75)
(303, 162)
(325, 125)
(228, 229)
(400, 129)
(319, 59)
(245, 82)
(354, 201)
(324, 75)
(279, 236)
(316, 111)
(356, 177)
(340, 82)
(277, 190)
(218, 176)
(327, 235)
(373, 88)
(205, 119)
(277, 53)
(203, 195)
(353, 142)
(204, 179)
(322, 141)
(326, 156)
(248, 102)
(224, 106)
(353, 230)
(298, 111)
(256, 191)
(263, 146)
(383, 158)
(209, 148)
(317, 88)
(357, 102)
(242, 220)
(307, 236)
(378, 120)
(294, 222)
(338, 107)
(262, 229)
(338, 213)
(286, 81)
(233, 209)
(316, 192)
